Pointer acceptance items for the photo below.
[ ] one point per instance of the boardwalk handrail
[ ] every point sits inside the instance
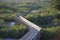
(34, 30)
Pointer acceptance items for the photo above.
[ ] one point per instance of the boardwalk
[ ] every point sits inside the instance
(34, 30)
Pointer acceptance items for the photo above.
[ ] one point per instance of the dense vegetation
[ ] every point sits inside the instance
(56, 4)
(7, 13)
(49, 20)
(16, 31)
(47, 16)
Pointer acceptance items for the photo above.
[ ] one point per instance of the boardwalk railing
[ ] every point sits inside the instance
(34, 30)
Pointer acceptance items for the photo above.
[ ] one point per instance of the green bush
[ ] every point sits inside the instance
(40, 20)
(49, 33)
(16, 31)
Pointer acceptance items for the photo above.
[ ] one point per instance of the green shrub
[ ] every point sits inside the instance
(16, 31)
(49, 33)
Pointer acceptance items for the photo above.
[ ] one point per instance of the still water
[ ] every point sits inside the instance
(10, 23)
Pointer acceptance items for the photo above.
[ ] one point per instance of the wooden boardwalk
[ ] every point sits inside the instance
(34, 30)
